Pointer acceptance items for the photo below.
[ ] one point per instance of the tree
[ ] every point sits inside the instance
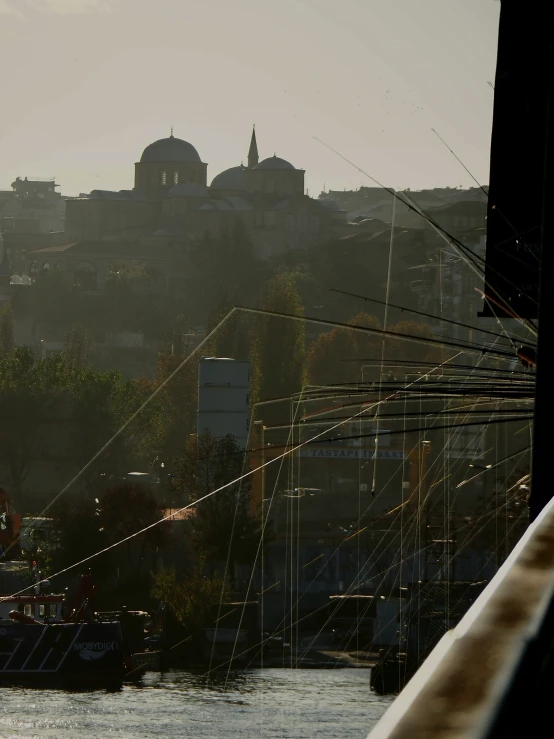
(233, 338)
(192, 597)
(338, 355)
(223, 525)
(85, 527)
(79, 345)
(278, 345)
(178, 337)
(404, 350)
(53, 409)
(172, 415)
(100, 402)
(126, 509)
(76, 535)
(30, 396)
(6, 330)
(332, 356)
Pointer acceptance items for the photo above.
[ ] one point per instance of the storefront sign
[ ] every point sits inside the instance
(319, 452)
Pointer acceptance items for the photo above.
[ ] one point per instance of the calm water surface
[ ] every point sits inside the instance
(276, 704)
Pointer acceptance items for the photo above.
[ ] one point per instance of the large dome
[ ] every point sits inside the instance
(230, 179)
(274, 162)
(170, 150)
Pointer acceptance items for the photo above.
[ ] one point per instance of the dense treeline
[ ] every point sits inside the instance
(58, 411)
(66, 408)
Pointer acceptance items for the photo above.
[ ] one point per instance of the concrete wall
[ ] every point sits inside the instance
(91, 218)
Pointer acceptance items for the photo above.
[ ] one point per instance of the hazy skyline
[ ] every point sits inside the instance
(88, 84)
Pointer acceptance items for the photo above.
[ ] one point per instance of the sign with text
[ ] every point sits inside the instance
(318, 452)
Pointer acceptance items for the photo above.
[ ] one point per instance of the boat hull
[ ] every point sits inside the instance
(68, 654)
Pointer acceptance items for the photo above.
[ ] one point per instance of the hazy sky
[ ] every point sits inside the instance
(87, 84)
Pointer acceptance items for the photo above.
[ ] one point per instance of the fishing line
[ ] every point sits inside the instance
(417, 313)
(420, 378)
(129, 421)
(199, 500)
(467, 348)
(455, 243)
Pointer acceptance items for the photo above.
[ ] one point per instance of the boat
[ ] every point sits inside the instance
(65, 654)
(39, 647)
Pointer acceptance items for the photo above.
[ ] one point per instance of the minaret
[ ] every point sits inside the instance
(253, 157)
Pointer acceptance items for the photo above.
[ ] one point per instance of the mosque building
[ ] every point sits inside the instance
(171, 208)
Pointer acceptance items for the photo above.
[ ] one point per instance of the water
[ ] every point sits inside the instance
(269, 704)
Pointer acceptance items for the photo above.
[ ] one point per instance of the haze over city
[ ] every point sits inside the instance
(273, 443)
(89, 83)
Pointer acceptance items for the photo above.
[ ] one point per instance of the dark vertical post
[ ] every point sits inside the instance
(542, 488)
(514, 213)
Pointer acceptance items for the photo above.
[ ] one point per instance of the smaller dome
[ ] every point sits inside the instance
(230, 179)
(189, 190)
(274, 162)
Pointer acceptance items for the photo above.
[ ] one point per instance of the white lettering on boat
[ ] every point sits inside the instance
(95, 649)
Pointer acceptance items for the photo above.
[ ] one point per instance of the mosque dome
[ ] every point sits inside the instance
(230, 179)
(170, 150)
(274, 162)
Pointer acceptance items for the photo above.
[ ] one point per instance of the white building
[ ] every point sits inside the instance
(224, 398)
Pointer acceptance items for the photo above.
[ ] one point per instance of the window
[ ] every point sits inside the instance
(28, 609)
(164, 178)
(290, 224)
(314, 224)
(175, 178)
(269, 218)
(302, 221)
(42, 610)
(53, 610)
